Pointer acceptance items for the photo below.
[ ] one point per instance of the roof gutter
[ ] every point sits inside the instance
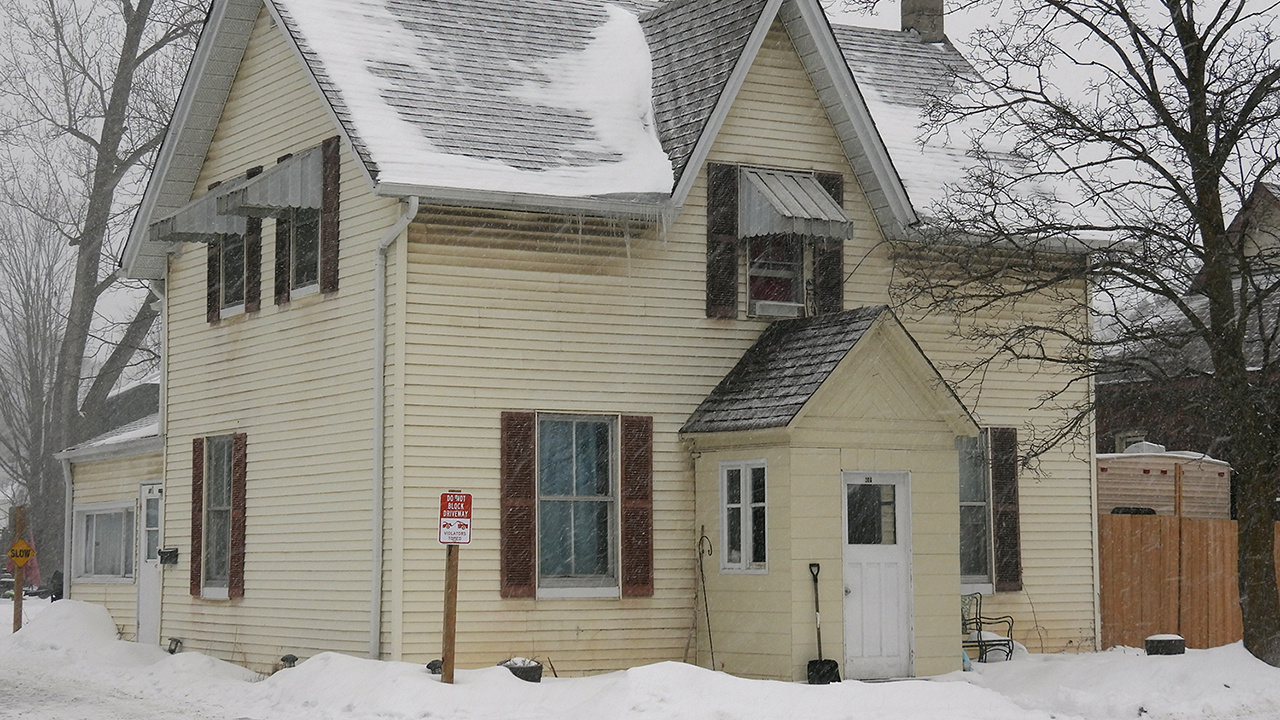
(640, 206)
(379, 424)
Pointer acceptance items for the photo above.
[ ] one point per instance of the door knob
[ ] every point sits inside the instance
(847, 591)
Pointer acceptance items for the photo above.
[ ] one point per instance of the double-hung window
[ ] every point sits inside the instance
(231, 266)
(218, 516)
(300, 229)
(990, 534)
(104, 537)
(577, 509)
(743, 525)
(576, 505)
(217, 512)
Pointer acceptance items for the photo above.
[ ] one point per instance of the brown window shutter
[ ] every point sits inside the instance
(1006, 534)
(722, 241)
(518, 505)
(828, 256)
(828, 276)
(197, 514)
(253, 265)
(637, 506)
(235, 578)
(283, 265)
(253, 256)
(213, 286)
(833, 183)
(332, 179)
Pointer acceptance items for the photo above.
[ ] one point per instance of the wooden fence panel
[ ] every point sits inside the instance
(1139, 576)
(1210, 600)
(1160, 575)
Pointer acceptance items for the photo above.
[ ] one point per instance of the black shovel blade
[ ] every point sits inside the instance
(822, 672)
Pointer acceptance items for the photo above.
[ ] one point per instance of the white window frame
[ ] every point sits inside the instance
(970, 584)
(311, 288)
(583, 587)
(78, 541)
(748, 564)
(207, 590)
(224, 310)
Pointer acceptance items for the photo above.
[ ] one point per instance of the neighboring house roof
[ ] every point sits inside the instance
(605, 106)
(789, 362)
(133, 438)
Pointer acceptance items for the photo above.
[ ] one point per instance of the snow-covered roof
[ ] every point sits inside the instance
(1149, 450)
(898, 74)
(140, 436)
(605, 106)
(538, 96)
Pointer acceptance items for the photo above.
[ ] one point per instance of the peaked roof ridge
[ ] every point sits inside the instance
(777, 375)
(695, 47)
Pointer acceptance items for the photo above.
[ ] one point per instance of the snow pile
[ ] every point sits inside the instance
(1224, 682)
(73, 667)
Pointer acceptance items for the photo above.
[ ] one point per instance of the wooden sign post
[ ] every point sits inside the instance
(455, 530)
(20, 553)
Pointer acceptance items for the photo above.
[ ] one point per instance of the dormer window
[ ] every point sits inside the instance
(790, 227)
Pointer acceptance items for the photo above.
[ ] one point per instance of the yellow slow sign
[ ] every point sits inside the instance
(21, 553)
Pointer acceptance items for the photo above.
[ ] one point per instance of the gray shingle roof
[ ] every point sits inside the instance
(898, 74)
(417, 82)
(776, 377)
(695, 45)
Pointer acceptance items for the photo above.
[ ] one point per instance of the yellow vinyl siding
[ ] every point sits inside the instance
(1056, 610)
(876, 412)
(298, 380)
(491, 311)
(112, 480)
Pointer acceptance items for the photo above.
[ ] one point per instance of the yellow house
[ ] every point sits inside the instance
(527, 259)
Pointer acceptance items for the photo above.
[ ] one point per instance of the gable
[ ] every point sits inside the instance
(272, 104)
(886, 380)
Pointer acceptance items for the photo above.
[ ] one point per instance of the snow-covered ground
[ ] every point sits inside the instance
(68, 664)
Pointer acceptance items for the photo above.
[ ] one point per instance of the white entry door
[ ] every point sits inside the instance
(150, 521)
(877, 574)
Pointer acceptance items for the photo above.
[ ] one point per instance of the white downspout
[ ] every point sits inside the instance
(379, 423)
(67, 519)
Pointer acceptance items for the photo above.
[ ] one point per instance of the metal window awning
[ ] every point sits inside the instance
(776, 202)
(295, 183)
(199, 220)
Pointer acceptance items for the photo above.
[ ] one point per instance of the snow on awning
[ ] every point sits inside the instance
(775, 202)
(199, 220)
(295, 183)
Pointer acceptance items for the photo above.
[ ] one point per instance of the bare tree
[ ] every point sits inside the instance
(86, 90)
(35, 269)
(1140, 128)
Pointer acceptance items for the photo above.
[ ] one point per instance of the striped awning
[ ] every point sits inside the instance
(199, 220)
(776, 202)
(294, 183)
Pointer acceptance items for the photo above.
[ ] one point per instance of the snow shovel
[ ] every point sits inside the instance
(821, 671)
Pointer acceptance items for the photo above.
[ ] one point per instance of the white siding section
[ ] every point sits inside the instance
(103, 481)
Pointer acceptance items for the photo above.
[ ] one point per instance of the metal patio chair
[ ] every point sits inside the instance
(975, 627)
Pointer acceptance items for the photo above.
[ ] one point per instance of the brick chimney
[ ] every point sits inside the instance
(925, 17)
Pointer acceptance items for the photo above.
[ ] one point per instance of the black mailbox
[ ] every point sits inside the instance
(168, 556)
